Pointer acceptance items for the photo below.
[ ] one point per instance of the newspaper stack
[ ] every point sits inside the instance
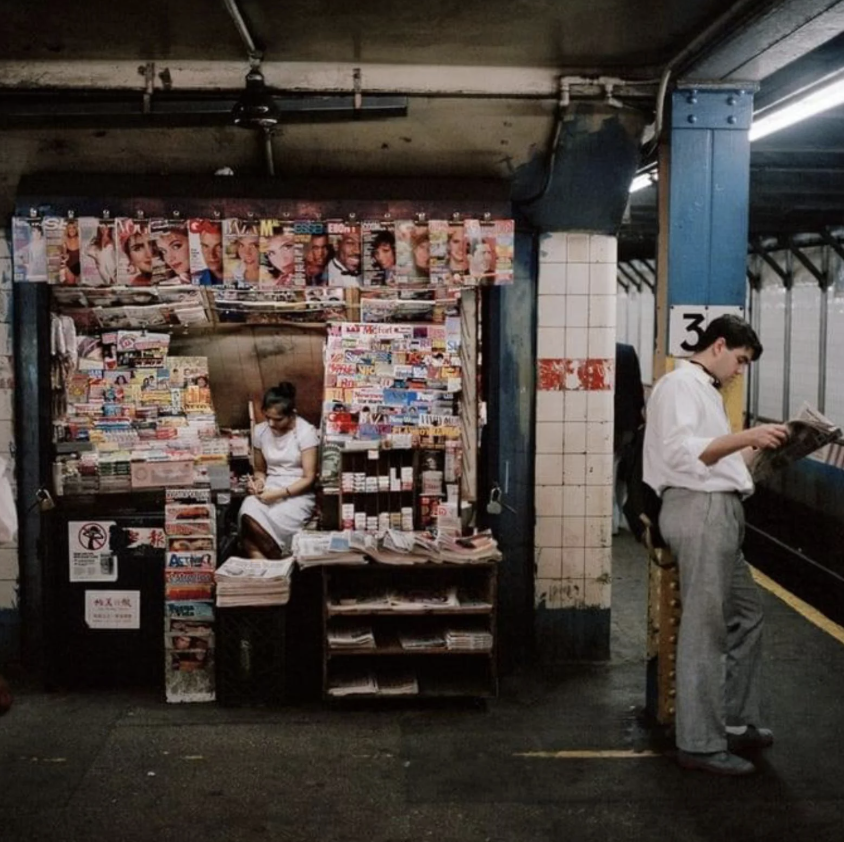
(311, 548)
(396, 547)
(247, 581)
(475, 640)
(351, 637)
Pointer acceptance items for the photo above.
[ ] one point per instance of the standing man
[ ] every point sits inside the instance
(698, 468)
(629, 409)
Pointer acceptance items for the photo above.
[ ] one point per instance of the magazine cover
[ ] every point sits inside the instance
(480, 245)
(458, 260)
(99, 255)
(241, 255)
(281, 255)
(29, 250)
(171, 241)
(438, 242)
(205, 242)
(344, 267)
(312, 240)
(63, 250)
(379, 250)
(413, 252)
(139, 261)
(504, 232)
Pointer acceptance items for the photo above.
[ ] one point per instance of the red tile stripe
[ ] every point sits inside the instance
(592, 375)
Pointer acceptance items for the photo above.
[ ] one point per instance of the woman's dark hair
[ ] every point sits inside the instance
(735, 330)
(383, 237)
(282, 396)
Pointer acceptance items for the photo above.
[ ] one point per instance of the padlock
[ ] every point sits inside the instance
(493, 507)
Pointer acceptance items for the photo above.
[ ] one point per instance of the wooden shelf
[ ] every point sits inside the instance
(433, 671)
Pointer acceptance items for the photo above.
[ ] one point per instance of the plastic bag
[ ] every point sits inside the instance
(8, 510)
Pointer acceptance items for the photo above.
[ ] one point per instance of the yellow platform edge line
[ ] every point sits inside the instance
(803, 608)
(627, 754)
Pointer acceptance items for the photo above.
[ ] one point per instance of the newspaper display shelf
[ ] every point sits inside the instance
(416, 630)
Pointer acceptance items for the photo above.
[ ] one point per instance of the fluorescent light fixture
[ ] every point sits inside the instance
(815, 102)
(819, 100)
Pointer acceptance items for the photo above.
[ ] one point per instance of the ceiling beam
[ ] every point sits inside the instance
(777, 34)
(313, 77)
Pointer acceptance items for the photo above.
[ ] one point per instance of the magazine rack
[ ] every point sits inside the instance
(415, 630)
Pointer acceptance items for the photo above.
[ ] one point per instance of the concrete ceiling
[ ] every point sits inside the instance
(481, 81)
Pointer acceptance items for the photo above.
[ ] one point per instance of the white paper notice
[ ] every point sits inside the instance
(113, 609)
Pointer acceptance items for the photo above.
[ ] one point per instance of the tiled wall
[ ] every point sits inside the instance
(574, 420)
(9, 618)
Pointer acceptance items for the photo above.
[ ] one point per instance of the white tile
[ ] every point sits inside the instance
(578, 245)
(598, 500)
(549, 500)
(549, 563)
(553, 247)
(597, 562)
(574, 469)
(577, 343)
(603, 278)
(548, 532)
(577, 279)
(549, 437)
(549, 469)
(552, 310)
(601, 311)
(549, 406)
(598, 594)
(602, 343)
(553, 278)
(571, 593)
(599, 437)
(577, 311)
(598, 468)
(574, 437)
(574, 500)
(600, 405)
(597, 531)
(603, 249)
(549, 342)
(576, 406)
(572, 563)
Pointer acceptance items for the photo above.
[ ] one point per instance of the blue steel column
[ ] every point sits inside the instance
(709, 196)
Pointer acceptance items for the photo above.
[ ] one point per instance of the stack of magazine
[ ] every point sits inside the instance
(247, 581)
(312, 549)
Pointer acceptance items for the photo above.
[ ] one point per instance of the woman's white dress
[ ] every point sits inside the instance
(283, 455)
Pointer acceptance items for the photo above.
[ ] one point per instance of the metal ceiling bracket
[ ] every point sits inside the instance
(819, 276)
(148, 72)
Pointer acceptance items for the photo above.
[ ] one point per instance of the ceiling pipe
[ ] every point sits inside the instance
(255, 55)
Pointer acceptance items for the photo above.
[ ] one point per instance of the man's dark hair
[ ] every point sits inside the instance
(735, 330)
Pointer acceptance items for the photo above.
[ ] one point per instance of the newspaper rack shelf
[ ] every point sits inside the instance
(418, 630)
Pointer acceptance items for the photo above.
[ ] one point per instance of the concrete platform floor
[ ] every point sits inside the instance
(559, 755)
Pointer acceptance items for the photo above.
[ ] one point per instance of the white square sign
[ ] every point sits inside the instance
(687, 322)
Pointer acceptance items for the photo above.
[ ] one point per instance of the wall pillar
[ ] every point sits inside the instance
(574, 433)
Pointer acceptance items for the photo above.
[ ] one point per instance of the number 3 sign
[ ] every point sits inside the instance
(687, 322)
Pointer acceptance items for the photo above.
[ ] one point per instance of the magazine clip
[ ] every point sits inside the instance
(139, 213)
(352, 217)
(105, 213)
(33, 213)
(456, 216)
(217, 214)
(175, 214)
(71, 214)
(421, 217)
(487, 216)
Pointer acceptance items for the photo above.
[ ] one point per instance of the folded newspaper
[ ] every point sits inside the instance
(808, 432)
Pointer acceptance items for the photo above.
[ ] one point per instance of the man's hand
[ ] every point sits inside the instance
(767, 436)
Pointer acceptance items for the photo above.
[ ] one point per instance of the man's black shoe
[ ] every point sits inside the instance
(716, 762)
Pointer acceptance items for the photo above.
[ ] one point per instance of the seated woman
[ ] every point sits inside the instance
(281, 498)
